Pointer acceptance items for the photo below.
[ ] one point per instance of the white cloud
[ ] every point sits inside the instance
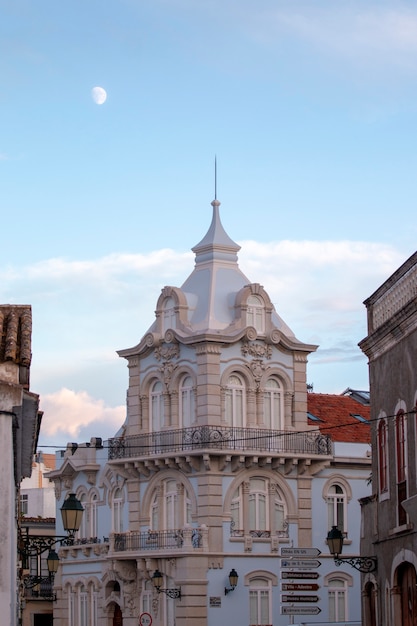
(367, 34)
(67, 413)
(85, 310)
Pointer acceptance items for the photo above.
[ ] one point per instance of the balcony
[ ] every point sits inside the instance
(182, 540)
(220, 439)
(42, 591)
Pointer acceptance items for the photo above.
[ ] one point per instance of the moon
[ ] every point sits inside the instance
(99, 95)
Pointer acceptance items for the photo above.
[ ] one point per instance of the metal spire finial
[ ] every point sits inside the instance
(215, 177)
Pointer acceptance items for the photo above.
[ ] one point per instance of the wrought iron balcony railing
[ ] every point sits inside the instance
(217, 438)
(157, 540)
(42, 590)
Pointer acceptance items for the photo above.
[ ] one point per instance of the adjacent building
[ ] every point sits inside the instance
(37, 520)
(389, 515)
(225, 470)
(19, 429)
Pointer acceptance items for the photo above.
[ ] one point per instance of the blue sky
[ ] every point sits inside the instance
(310, 108)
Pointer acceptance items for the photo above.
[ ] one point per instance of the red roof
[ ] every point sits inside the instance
(337, 417)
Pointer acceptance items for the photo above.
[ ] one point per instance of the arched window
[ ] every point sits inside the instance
(235, 401)
(258, 504)
(117, 510)
(337, 595)
(171, 506)
(83, 606)
(187, 402)
(265, 507)
(401, 450)
(383, 456)
(169, 316)
(256, 313)
(273, 404)
(260, 602)
(146, 599)
(83, 530)
(157, 406)
(93, 516)
(336, 507)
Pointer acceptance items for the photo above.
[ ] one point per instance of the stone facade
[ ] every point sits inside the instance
(19, 428)
(389, 516)
(217, 467)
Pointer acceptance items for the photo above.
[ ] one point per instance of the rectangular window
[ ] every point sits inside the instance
(382, 457)
(400, 431)
(84, 609)
(24, 502)
(337, 609)
(259, 607)
(71, 609)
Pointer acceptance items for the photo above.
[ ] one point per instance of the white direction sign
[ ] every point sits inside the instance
(300, 610)
(302, 552)
(301, 563)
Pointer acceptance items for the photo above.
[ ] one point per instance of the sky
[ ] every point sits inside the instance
(309, 107)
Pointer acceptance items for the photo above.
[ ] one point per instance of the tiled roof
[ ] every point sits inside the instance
(341, 417)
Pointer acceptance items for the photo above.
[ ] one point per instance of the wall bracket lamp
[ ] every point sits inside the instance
(174, 593)
(34, 545)
(364, 564)
(233, 578)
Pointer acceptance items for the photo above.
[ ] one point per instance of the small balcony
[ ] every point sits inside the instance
(182, 540)
(218, 440)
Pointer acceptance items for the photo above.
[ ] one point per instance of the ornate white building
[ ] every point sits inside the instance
(217, 468)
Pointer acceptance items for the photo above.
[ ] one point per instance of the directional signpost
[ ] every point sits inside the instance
(300, 575)
(300, 587)
(300, 610)
(298, 598)
(299, 561)
(300, 552)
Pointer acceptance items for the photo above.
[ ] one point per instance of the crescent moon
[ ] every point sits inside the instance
(99, 95)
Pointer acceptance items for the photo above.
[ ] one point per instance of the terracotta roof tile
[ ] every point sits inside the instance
(16, 333)
(336, 414)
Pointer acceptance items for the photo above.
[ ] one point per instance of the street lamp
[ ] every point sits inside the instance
(364, 564)
(173, 593)
(233, 578)
(35, 545)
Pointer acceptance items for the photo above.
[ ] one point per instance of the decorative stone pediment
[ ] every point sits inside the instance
(257, 350)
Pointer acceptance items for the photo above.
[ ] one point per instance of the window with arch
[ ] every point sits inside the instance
(260, 602)
(383, 456)
(83, 530)
(117, 510)
(187, 401)
(256, 313)
(92, 516)
(235, 401)
(146, 597)
(72, 615)
(258, 509)
(171, 506)
(156, 404)
(336, 498)
(338, 599)
(273, 404)
(168, 314)
(83, 606)
(401, 452)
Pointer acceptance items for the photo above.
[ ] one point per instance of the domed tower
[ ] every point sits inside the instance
(216, 429)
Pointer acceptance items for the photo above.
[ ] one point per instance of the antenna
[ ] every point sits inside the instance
(215, 177)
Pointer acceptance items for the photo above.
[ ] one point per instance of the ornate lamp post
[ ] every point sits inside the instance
(157, 583)
(364, 564)
(35, 545)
